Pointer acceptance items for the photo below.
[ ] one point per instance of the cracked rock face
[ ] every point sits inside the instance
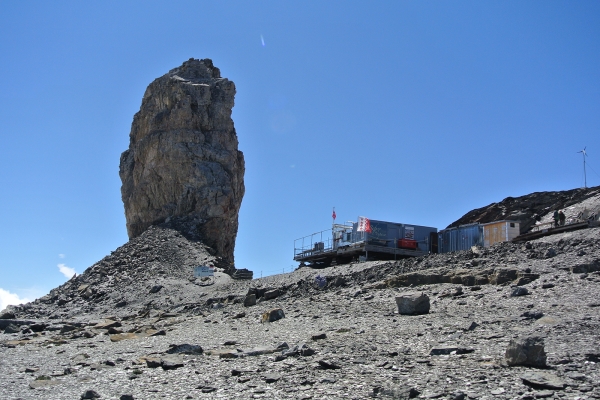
(183, 162)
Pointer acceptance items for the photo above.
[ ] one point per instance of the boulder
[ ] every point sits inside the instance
(273, 315)
(519, 291)
(271, 294)
(527, 351)
(7, 315)
(12, 328)
(183, 166)
(90, 394)
(412, 303)
(250, 300)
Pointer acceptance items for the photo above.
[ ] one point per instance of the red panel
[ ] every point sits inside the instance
(407, 244)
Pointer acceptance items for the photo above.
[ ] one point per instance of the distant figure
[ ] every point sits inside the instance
(320, 281)
(556, 218)
(562, 218)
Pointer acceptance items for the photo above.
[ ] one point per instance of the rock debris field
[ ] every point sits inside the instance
(138, 325)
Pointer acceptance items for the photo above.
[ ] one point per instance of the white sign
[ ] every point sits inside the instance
(203, 270)
(409, 232)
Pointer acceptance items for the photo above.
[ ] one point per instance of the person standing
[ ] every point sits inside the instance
(562, 218)
(556, 218)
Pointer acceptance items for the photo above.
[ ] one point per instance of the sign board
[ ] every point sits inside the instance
(203, 270)
(364, 225)
(409, 232)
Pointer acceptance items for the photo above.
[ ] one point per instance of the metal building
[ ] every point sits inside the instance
(386, 240)
(465, 236)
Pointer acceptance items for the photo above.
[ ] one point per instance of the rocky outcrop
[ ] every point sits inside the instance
(183, 165)
(527, 209)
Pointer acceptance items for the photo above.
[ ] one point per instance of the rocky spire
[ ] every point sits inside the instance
(183, 165)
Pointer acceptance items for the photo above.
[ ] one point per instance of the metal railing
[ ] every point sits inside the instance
(318, 242)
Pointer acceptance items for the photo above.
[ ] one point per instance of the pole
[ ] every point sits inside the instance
(584, 174)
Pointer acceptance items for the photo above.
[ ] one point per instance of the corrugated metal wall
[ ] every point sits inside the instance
(460, 238)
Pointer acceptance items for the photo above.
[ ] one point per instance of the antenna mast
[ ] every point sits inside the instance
(583, 153)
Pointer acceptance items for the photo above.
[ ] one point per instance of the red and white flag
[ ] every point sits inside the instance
(333, 214)
(364, 225)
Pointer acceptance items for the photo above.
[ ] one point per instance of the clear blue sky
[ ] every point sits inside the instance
(411, 112)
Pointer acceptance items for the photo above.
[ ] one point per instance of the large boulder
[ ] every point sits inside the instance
(527, 351)
(183, 165)
(412, 303)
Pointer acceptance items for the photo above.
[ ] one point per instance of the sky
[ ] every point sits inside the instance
(405, 111)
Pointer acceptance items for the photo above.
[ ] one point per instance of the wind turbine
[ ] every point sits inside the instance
(584, 174)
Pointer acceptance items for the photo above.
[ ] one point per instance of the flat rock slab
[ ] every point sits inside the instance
(107, 324)
(328, 364)
(185, 349)
(259, 351)
(272, 378)
(6, 322)
(171, 362)
(43, 383)
(543, 380)
(123, 336)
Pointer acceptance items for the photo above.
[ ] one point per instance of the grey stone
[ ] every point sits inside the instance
(412, 303)
(470, 326)
(185, 349)
(12, 328)
(19, 322)
(328, 364)
(532, 314)
(519, 291)
(156, 288)
(250, 300)
(395, 392)
(90, 394)
(550, 253)
(273, 315)
(272, 378)
(526, 351)
(7, 315)
(543, 380)
(152, 362)
(171, 362)
(338, 281)
(271, 294)
(43, 383)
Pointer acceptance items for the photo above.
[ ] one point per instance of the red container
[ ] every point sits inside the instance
(407, 244)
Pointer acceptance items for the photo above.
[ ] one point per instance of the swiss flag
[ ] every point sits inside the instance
(333, 214)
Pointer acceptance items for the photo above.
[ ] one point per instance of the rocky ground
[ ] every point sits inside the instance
(138, 325)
